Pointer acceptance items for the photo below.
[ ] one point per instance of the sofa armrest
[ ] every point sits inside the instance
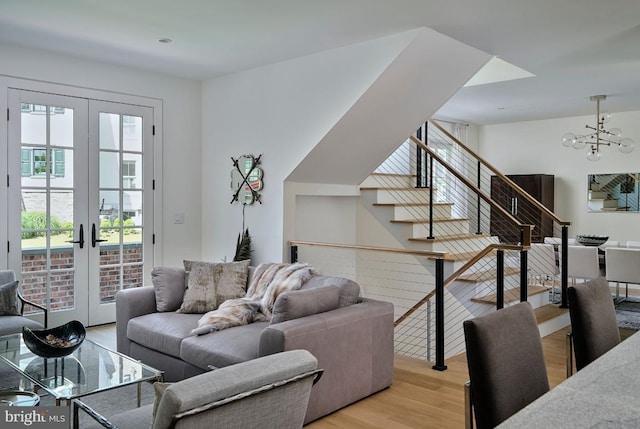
(132, 303)
(353, 344)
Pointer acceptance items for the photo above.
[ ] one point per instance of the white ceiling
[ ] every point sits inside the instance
(575, 48)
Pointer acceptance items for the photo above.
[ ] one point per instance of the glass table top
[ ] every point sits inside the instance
(89, 369)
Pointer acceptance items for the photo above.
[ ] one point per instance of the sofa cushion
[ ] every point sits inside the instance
(168, 285)
(162, 331)
(209, 284)
(349, 290)
(223, 348)
(9, 299)
(301, 303)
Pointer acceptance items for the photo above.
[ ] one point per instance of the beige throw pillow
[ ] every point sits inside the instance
(209, 284)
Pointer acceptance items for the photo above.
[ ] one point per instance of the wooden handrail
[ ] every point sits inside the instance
(484, 252)
(425, 253)
(470, 185)
(495, 171)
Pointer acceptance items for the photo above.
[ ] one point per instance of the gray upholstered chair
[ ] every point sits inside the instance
(268, 392)
(506, 364)
(594, 328)
(13, 323)
(622, 266)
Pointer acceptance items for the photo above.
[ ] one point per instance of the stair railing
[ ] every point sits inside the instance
(438, 259)
(435, 133)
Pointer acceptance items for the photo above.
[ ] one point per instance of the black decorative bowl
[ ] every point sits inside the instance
(55, 342)
(592, 240)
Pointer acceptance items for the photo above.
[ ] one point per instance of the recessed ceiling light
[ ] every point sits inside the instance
(164, 40)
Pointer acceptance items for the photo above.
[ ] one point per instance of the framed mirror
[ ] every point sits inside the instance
(613, 192)
(246, 179)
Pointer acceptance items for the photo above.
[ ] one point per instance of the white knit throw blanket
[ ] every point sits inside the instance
(267, 283)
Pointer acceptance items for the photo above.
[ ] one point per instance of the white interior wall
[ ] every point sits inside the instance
(330, 219)
(534, 147)
(181, 134)
(280, 111)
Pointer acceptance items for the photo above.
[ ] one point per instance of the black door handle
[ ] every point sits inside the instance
(81, 240)
(94, 240)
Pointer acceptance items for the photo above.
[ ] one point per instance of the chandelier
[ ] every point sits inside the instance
(598, 135)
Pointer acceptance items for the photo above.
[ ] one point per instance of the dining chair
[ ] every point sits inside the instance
(583, 263)
(542, 266)
(506, 364)
(557, 241)
(633, 244)
(594, 328)
(622, 265)
(609, 243)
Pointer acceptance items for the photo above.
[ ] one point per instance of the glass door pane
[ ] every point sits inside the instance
(46, 144)
(122, 138)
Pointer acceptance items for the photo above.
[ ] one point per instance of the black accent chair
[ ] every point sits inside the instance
(594, 328)
(506, 364)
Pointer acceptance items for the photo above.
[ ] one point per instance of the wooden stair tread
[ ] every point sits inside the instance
(485, 275)
(450, 237)
(393, 174)
(410, 204)
(466, 256)
(548, 312)
(393, 188)
(510, 295)
(441, 220)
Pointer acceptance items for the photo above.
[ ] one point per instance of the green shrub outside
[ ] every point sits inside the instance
(37, 220)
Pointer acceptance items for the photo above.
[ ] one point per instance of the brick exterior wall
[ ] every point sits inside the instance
(35, 270)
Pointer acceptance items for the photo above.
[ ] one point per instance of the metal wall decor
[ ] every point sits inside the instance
(246, 179)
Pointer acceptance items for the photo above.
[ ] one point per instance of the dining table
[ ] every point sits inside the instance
(604, 394)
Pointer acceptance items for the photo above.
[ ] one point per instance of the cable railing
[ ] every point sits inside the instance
(504, 192)
(429, 308)
(435, 195)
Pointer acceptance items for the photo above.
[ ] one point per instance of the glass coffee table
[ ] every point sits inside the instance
(90, 369)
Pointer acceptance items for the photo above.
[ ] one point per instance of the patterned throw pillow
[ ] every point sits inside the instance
(9, 299)
(209, 284)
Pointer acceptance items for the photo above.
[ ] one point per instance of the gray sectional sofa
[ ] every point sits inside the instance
(351, 336)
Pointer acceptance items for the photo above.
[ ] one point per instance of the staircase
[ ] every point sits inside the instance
(396, 202)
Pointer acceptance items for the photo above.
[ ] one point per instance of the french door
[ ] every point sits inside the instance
(80, 201)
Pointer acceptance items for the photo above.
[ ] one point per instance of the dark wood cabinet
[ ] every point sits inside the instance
(540, 187)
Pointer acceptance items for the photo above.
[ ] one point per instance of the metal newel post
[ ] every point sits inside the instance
(524, 278)
(430, 197)
(500, 280)
(440, 366)
(479, 200)
(419, 183)
(564, 266)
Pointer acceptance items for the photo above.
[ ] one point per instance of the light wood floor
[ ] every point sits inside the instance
(420, 397)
